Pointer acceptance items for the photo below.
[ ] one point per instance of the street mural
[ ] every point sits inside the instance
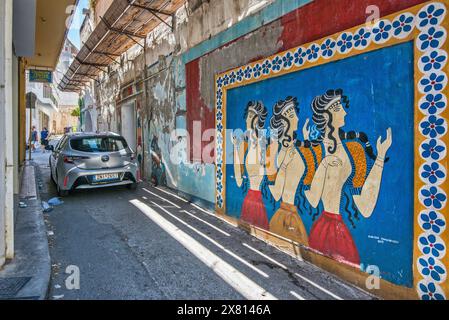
(311, 167)
(249, 164)
(158, 172)
(319, 145)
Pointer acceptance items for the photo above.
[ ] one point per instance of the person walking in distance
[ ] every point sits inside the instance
(44, 139)
(34, 139)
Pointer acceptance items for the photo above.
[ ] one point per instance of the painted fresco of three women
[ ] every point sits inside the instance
(329, 174)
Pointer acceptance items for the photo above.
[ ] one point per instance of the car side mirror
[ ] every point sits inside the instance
(50, 148)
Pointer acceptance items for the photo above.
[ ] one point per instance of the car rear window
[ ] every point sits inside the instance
(98, 144)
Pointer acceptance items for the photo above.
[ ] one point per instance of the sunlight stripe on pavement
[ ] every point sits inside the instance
(245, 286)
(207, 223)
(171, 194)
(263, 274)
(297, 296)
(265, 256)
(162, 198)
(318, 286)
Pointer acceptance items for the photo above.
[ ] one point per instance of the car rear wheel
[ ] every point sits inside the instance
(61, 193)
(52, 177)
(132, 186)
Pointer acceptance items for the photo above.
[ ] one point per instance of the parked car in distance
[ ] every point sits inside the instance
(92, 160)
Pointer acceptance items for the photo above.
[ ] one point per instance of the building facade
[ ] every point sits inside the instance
(63, 120)
(52, 108)
(24, 45)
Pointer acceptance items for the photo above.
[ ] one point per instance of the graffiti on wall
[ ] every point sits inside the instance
(321, 147)
(158, 170)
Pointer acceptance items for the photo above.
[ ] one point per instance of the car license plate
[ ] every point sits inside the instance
(105, 177)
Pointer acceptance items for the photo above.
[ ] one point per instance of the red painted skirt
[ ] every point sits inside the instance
(253, 210)
(331, 237)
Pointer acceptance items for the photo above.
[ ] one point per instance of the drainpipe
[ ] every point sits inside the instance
(2, 134)
(145, 102)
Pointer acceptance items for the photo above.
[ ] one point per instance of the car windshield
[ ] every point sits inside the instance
(98, 144)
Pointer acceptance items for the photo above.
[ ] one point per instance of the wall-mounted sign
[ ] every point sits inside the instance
(44, 76)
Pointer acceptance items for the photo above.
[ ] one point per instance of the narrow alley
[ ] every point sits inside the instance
(129, 245)
(236, 150)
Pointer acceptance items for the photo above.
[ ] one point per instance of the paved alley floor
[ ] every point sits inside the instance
(150, 244)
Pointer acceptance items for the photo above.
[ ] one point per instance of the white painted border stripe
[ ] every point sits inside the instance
(265, 256)
(205, 211)
(318, 286)
(245, 286)
(297, 296)
(212, 215)
(232, 254)
(207, 223)
(162, 198)
(171, 194)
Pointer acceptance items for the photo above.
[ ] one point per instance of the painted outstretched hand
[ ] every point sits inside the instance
(306, 130)
(236, 140)
(383, 147)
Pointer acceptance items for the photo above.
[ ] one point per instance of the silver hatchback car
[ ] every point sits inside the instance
(92, 160)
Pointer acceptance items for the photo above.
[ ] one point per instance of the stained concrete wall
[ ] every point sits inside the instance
(166, 107)
(209, 37)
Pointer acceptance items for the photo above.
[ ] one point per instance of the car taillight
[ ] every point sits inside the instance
(132, 156)
(71, 159)
(68, 160)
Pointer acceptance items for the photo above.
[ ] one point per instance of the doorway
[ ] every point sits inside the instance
(128, 127)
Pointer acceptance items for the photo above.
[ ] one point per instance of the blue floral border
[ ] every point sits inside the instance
(433, 126)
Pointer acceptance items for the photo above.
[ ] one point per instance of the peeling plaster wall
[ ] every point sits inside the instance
(209, 38)
(180, 78)
(208, 18)
(161, 122)
(228, 24)
(262, 43)
(106, 103)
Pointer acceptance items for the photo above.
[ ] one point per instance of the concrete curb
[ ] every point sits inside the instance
(32, 257)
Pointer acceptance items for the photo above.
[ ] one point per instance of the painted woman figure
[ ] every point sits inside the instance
(348, 180)
(290, 170)
(249, 165)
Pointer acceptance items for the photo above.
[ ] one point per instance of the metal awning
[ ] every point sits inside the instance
(124, 25)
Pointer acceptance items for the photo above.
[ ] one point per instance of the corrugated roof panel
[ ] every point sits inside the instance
(124, 21)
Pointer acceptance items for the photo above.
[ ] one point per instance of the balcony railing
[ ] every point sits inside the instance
(48, 94)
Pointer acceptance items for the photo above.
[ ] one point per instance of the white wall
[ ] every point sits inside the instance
(15, 74)
(65, 59)
(9, 136)
(6, 133)
(2, 133)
